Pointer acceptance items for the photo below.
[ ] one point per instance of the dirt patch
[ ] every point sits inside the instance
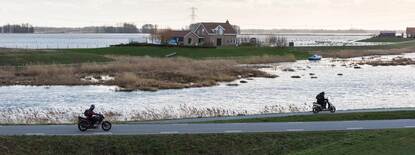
(398, 61)
(361, 53)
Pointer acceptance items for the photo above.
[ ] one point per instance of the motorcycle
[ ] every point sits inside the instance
(84, 124)
(317, 108)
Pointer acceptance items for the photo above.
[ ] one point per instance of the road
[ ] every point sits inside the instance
(149, 129)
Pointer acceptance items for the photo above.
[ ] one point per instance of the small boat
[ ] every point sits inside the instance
(315, 57)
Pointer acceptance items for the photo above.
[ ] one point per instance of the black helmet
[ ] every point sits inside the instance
(92, 107)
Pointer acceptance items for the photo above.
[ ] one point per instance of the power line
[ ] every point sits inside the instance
(193, 15)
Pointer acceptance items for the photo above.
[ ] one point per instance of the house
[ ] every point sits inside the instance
(211, 34)
(387, 34)
(410, 32)
(176, 37)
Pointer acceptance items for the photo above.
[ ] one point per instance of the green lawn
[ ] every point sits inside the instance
(380, 142)
(99, 55)
(196, 53)
(69, 56)
(331, 117)
(25, 58)
(387, 39)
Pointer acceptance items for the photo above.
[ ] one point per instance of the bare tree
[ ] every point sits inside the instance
(277, 41)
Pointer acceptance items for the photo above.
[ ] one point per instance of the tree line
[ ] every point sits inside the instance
(23, 28)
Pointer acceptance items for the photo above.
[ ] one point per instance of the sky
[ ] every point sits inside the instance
(259, 14)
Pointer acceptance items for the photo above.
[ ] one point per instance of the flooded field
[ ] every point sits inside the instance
(64, 41)
(347, 86)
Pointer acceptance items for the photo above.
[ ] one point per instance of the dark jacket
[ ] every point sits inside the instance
(320, 97)
(89, 113)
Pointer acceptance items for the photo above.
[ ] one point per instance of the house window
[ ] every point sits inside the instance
(220, 31)
(189, 41)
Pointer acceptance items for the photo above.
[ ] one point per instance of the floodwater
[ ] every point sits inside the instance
(365, 88)
(320, 39)
(67, 40)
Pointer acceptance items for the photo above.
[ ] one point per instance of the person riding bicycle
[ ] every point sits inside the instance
(91, 115)
(321, 100)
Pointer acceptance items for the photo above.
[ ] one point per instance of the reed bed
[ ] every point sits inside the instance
(132, 73)
(360, 53)
(70, 115)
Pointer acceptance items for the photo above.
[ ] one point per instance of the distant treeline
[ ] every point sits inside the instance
(272, 31)
(122, 28)
(125, 28)
(23, 28)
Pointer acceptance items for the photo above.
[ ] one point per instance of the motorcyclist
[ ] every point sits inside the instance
(90, 115)
(321, 100)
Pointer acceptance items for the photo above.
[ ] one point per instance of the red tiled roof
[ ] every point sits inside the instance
(179, 33)
(227, 26)
(410, 30)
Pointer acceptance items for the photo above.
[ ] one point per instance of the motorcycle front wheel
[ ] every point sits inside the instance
(332, 109)
(106, 126)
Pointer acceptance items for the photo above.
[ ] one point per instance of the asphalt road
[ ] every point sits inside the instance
(148, 129)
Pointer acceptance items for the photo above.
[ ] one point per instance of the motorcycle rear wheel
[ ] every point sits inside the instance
(106, 126)
(83, 126)
(316, 110)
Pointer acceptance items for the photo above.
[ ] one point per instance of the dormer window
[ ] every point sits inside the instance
(219, 30)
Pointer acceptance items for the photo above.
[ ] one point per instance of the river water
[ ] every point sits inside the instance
(65, 40)
(366, 88)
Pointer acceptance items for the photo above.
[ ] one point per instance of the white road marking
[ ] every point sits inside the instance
(292, 130)
(102, 133)
(296, 122)
(180, 124)
(233, 131)
(169, 132)
(35, 134)
(355, 128)
(409, 126)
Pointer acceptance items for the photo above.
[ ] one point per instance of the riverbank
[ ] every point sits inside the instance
(387, 115)
(398, 141)
(147, 68)
(387, 39)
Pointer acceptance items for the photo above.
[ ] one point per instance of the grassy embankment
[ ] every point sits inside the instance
(386, 39)
(331, 117)
(379, 142)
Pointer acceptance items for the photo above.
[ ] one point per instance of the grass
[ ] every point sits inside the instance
(195, 53)
(29, 58)
(387, 39)
(379, 142)
(331, 117)
(12, 57)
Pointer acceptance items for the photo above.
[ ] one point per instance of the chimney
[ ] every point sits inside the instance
(227, 21)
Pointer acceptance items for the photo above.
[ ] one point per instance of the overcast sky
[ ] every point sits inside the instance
(309, 14)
